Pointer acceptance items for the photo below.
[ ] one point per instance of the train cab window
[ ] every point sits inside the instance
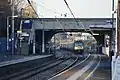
(78, 44)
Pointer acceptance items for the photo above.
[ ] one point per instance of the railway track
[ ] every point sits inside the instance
(46, 70)
(28, 73)
(54, 70)
(81, 71)
(48, 73)
(9, 77)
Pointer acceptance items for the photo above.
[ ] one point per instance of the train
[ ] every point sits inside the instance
(78, 47)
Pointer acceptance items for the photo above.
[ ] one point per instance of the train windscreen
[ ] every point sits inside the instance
(78, 44)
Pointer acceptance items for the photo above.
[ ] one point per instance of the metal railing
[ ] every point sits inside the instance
(115, 68)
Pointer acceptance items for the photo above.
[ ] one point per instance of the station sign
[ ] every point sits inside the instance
(27, 24)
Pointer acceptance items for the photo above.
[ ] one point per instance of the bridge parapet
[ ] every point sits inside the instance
(70, 23)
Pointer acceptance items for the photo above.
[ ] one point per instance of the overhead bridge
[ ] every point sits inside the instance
(71, 24)
(44, 28)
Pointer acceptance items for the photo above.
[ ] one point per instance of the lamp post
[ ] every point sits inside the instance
(12, 26)
(21, 30)
(113, 31)
(43, 41)
(8, 32)
(8, 26)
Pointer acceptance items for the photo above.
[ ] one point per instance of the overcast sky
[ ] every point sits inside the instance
(80, 8)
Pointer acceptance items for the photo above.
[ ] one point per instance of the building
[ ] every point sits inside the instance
(28, 12)
(5, 11)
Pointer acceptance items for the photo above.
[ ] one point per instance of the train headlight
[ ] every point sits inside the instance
(76, 48)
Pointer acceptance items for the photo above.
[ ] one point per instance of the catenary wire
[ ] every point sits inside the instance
(75, 18)
(51, 10)
(34, 10)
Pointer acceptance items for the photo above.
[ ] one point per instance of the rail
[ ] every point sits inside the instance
(65, 67)
(70, 67)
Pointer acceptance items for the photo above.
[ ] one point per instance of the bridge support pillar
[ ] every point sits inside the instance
(101, 43)
(38, 39)
(112, 51)
(42, 39)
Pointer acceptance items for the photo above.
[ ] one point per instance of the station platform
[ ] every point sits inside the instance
(14, 59)
(9, 57)
(10, 64)
(103, 71)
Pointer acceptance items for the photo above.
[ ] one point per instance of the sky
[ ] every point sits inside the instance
(80, 8)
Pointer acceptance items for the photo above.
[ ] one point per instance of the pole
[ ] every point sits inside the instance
(12, 26)
(113, 54)
(7, 33)
(54, 45)
(43, 42)
(34, 42)
(20, 36)
(21, 31)
(113, 31)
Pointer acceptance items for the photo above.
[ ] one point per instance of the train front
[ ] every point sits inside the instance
(78, 47)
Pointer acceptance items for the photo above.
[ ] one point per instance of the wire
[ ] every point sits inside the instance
(46, 5)
(71, 12)
(32, 7)
(34, 10)
(61, 25)
(55, 12)
(73, 15)
(61, 14)
(75, 18)
(47, 8)
(51, 10)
